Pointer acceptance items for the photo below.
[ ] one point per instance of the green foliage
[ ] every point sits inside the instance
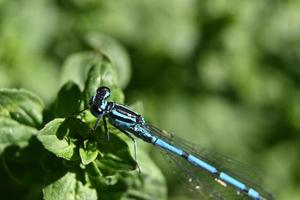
(224, 74)
(55, 139)
(69, 188)
(20, 111)
(67, 100)
(71, 161)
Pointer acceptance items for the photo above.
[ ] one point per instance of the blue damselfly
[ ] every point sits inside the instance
(203, 162)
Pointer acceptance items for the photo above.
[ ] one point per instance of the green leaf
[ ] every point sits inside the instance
(68, 99)
(89, 152)
(20, 115)
(54, 137)
(127, 185)
(152, 184)
(110, 188)
(116, 154)
(117, 95)
(14, 133)
(115, 51)
(93, 170)
(24, 165)
(101, 74)
(69, 188)
(21, 106)
(77, 66)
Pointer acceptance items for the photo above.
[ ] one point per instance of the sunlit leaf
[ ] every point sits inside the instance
(21, 106)
(54, 138)
(89, 152)
(115, 52)
(20, 116)
(69, 187)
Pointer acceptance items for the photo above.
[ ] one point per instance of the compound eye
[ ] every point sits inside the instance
(95, 110)
(103, 89)
(104, 92)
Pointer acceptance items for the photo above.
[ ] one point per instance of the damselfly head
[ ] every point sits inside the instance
(98, 102)
(103, 92)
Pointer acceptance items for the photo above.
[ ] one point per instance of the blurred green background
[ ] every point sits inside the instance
(223, 74)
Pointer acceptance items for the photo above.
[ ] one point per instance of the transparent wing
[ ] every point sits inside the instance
(201, 185)
(244, 173)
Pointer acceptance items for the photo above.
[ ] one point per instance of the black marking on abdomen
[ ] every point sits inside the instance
(185, 155)
(246, 189)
